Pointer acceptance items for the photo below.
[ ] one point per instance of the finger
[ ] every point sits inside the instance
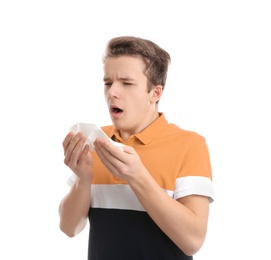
(102, 147)
(76, 138)
(107, 154)
(67, 140)
(77, 143)
(85, 157)
(109, 148)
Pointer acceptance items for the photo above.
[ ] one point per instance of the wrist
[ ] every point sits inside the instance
(83, 183)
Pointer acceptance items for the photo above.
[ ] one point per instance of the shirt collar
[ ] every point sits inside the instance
(148, 134)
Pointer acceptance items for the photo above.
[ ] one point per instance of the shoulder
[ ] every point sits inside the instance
(183, 134)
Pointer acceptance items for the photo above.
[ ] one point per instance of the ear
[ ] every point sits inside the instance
(156, 93)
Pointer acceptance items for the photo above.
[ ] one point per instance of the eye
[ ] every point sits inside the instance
(127, 83)
(107, 84)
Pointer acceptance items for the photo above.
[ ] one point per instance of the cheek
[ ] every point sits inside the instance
(106, 97)
(105, 92)
(139, 103)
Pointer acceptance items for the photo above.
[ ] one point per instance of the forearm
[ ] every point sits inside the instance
(181, 224)
(73, 209)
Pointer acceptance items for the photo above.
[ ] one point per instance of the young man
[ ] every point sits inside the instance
(149, 200)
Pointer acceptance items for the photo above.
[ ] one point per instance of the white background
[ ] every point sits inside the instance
(218, 85)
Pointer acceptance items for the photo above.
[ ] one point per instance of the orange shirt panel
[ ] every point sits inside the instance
(167, 151)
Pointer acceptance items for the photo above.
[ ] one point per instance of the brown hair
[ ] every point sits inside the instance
(155, 58)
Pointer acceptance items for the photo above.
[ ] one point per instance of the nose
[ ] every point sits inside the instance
(113, 91)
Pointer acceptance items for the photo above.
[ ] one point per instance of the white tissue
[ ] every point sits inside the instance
(91, 132)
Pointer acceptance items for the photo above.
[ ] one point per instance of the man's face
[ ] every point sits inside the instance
(130, 105)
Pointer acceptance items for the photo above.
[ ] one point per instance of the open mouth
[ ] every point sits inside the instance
(116, 110)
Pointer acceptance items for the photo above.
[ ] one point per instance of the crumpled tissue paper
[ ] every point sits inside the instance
(91, 132)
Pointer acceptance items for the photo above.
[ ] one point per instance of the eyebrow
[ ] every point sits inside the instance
(127, 79)
(122, 79)
(105, 79)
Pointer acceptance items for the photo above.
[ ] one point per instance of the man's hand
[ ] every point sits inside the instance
(77, 156)
(122, 162)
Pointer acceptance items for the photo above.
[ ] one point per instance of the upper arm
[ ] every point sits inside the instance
(199, 205)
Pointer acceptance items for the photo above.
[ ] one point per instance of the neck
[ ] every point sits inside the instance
(125, 134)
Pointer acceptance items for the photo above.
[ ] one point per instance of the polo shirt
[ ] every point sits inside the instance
(120, 228)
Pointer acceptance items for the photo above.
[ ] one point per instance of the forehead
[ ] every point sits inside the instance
(128, 65)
